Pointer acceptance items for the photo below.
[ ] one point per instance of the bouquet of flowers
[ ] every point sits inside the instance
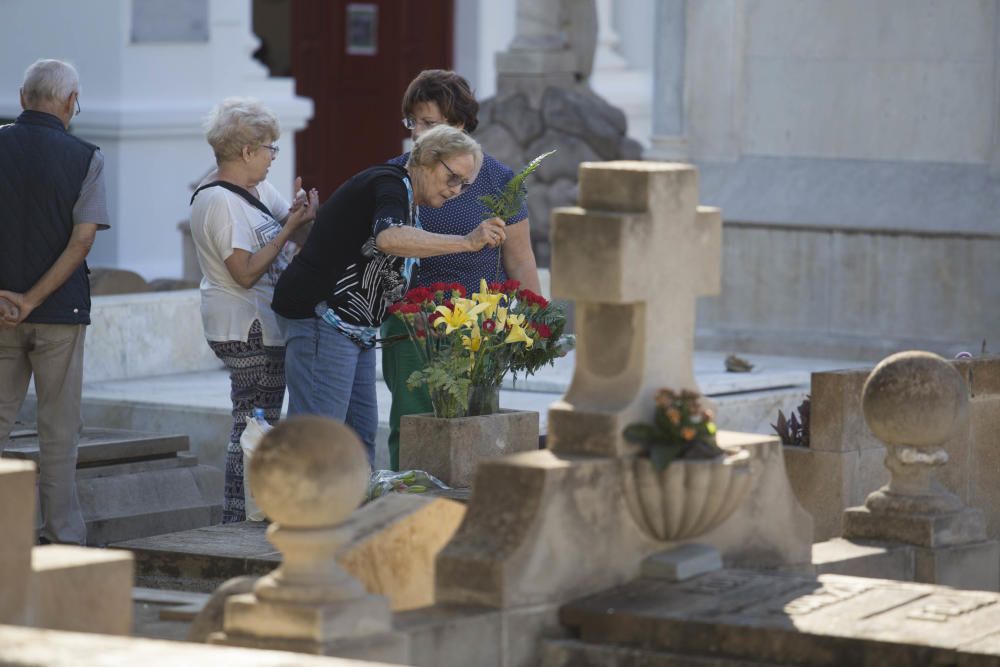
(681, 429)
(468, 344)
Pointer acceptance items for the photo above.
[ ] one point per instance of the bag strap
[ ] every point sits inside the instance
(235, 189)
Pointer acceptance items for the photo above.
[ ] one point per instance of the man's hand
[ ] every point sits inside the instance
(490, 233)
(14, 308)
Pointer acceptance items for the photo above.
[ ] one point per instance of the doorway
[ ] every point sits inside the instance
(354, 59)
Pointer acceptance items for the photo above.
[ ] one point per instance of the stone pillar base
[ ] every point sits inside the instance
(970, 566)
(392, 647)
(922, 530)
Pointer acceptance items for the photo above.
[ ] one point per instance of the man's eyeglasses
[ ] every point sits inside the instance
(454, 180)
(411, 123)
(78, 105)
(274, 149)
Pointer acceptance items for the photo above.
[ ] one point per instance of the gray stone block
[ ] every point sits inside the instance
(971, 566)
(682, 562)
(864, 559)
(452, 449)
(516, 114)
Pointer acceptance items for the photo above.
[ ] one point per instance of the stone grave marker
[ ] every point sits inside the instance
(736, 617)
(134, 484)
(634, 258)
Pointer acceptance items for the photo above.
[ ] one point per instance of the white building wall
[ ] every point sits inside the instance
(144, 104)
(889, 80)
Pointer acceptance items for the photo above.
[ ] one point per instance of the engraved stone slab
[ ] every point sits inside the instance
(794, 619)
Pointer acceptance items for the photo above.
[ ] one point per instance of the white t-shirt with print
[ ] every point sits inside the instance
(221, 222)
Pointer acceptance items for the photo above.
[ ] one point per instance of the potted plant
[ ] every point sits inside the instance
(468, 345)
(682, 484)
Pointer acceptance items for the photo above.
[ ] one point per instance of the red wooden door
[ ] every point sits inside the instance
(355, 59)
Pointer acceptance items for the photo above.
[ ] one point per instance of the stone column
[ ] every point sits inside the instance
(308, 475)
(914, 402)
(668, 141)
(553, 46)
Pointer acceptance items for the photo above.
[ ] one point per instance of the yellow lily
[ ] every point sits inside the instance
(515, 320)
(474, 342)
(501, 318)
(492, 301)
(459, 316)
(519, 335)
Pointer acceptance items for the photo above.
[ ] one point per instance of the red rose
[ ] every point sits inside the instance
(489, 326)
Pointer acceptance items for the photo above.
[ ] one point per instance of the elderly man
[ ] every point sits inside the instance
(53, 194)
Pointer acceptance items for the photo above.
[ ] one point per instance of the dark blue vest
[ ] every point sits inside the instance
(42, 167)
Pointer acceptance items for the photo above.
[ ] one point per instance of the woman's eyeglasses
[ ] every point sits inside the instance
(454, 180)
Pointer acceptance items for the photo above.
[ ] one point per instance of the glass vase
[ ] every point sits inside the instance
(484, 400)
(446, 406)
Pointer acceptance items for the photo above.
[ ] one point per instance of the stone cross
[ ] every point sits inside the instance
(634, 257)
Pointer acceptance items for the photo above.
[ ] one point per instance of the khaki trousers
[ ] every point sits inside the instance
(53, 353)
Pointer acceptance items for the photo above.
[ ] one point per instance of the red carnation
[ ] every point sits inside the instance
(455, 287)
(511, 285)
(496, 287)
(433, 316)
(409, 308)
(544, 330)
(393, 308)
(440, 287)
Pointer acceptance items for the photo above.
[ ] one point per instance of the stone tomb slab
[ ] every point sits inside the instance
(133, 484)
(789, 619)
(103, 446)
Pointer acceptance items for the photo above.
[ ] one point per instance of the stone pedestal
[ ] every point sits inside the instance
(17, 516)
(914, 402)
(309, 474)
(452, 449)
(80, 589)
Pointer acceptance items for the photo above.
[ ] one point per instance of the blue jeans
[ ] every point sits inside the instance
(329, 375)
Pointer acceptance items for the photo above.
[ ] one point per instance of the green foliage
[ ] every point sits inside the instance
(447, 381)
(507, 203)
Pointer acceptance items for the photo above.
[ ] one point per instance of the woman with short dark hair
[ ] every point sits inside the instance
(442, 97)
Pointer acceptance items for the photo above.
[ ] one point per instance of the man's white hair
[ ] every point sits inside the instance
(49, 81)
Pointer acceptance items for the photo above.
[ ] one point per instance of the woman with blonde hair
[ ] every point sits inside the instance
(241, 226)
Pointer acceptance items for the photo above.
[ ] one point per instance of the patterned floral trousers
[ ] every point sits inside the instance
(257, 380)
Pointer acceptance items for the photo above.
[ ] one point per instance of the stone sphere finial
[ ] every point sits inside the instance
(309, 472)
(914, 398)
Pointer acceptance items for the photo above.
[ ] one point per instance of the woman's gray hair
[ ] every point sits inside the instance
(239, 122)
(49, 81)
(442, 142)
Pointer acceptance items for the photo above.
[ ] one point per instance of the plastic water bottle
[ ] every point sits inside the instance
(258, 415)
